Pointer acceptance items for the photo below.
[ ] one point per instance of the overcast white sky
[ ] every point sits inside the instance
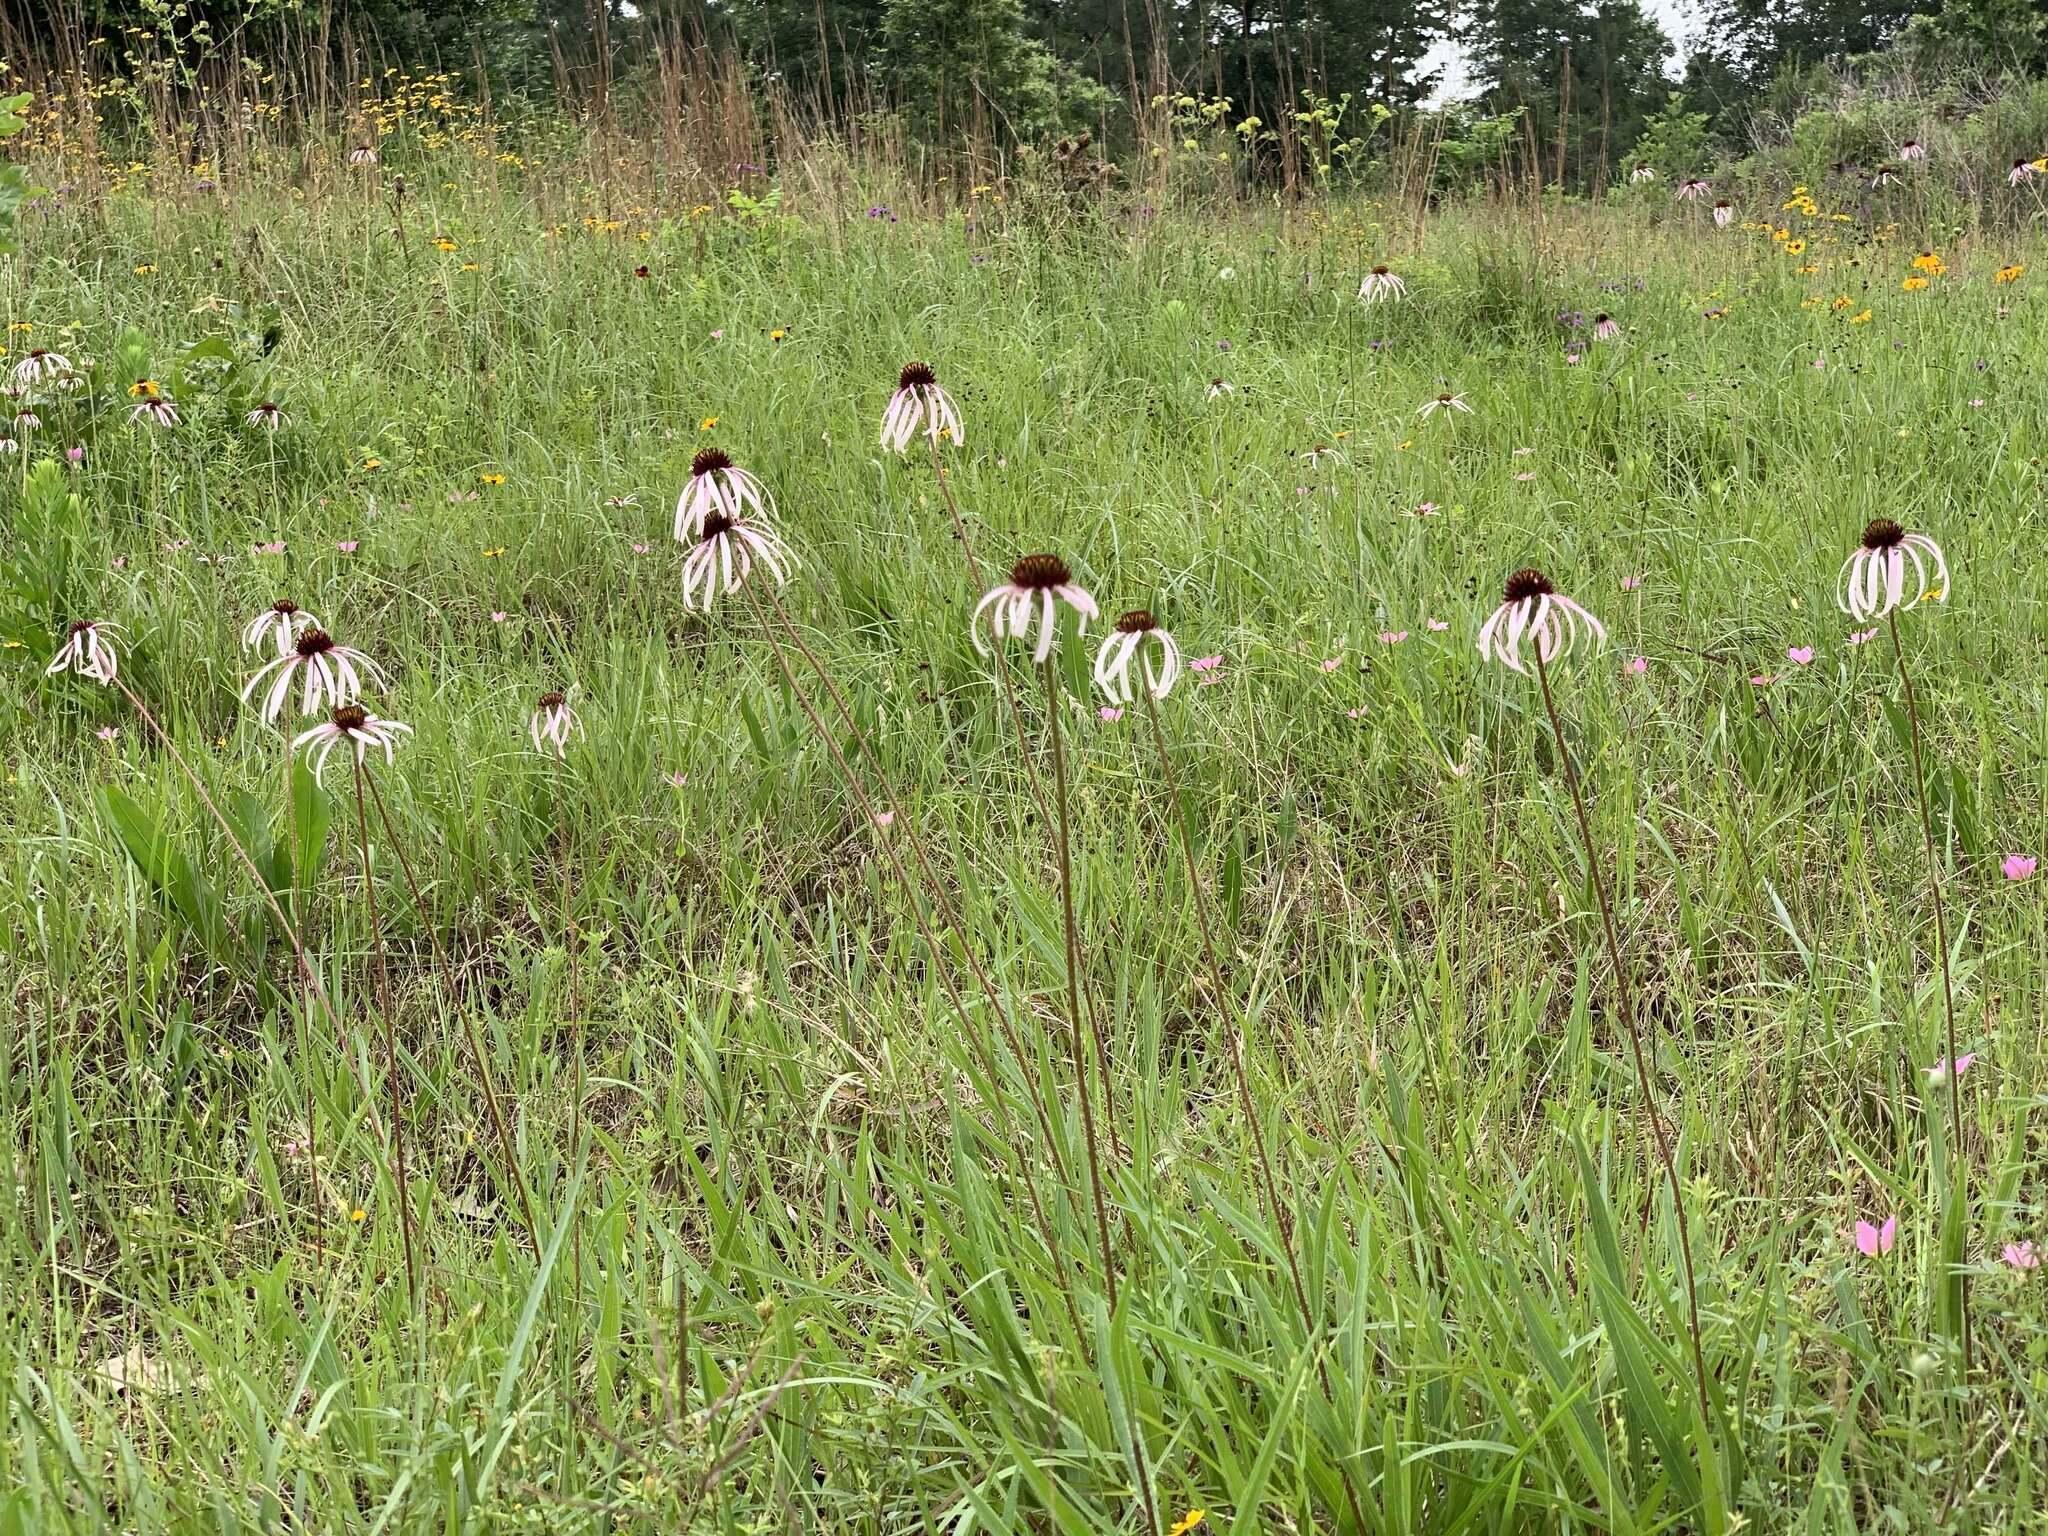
(1675, 16)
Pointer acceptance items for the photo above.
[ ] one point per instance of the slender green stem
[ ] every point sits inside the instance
(1283, 1226)
(1064, 847)
(1948, 991)
(400, 1179)
(933, 885)
(482, 1063)
(1624, 996)
(975, 1036)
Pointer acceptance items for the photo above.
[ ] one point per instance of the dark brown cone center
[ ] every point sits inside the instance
(1525, 584)
(916, 376)
(1882, 533)
(1040, 572)
(709, 459)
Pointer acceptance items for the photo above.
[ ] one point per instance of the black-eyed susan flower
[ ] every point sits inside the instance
(2008, 274)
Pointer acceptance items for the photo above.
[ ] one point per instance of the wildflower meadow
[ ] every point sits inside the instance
(975, 854)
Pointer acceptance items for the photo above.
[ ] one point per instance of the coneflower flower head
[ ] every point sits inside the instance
(1444, 402)
(1605, 328)
(1127, 638)
(1692, 188)
(353, 724)
(1532, 610)
(333, 675)
(156, 409)
(285, 619)
(1885, 176)
(724, 556)
(1381, 284)
(1724, 215)
(2021, 170)
(39, 366)
(1912, 149)
(919, 403)
(1036, 584)
(718, 485)
(1873, 579)
(269, 416)
(553, 723)
(88, 650)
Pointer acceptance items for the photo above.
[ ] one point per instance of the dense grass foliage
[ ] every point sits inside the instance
(791, 1268)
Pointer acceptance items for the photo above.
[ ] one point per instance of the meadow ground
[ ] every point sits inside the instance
(810, 1253)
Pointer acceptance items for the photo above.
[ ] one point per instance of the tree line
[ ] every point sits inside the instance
(1588, 82)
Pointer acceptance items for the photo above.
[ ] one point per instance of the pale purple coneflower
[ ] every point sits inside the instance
(269, 416)
(355, 725)
(1219, 388)
(1885, 177)
(1533, 610)
(724, 556)
(333, 675)
(285, 619)
(1126, 641)
(919, 403)
(1724, 215)
(1644, 171)
(363, 154)
(552, 724)
(2021, 170)
(1912, 149)
(1873, 579)
(1381, 284)
(157, 410)
(1445, 402)
(89, 650)
(1605, 328)
(1036, 584)
(1693, 188)
(26, 420)
(41, 365)
(718, 485)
